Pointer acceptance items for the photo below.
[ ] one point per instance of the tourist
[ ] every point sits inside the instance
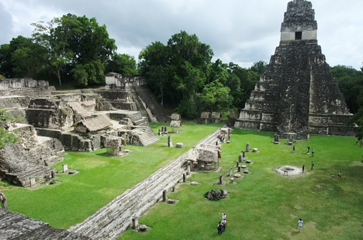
(224, 216)
(224, 223)
(300, 224)
(303, 168)
(312, 165)
(340, 175)
(219, 227)
(293, 148)
(312, 152)
(307, 152)
(303, 152)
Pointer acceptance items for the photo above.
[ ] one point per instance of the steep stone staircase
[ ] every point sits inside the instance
(113, 219)
(145, 95)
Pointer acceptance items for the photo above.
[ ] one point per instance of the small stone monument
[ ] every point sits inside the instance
(247, 147)
(135, 223)
(239, 168)
(244, 153)
(184, 177)
(32, 182)
(179, 145)
(143, 228)
(164, 195)
(230, 172)
(53, 173)
(205, 116)
(65, 167)
(220, 179)
(3, 201)
(240, 158)
(170, 143)
(276, 139)
(114, 143)
(232, 179)
(216, 117)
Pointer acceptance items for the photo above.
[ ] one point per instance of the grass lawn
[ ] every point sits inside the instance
(100, 179)
(264, 204)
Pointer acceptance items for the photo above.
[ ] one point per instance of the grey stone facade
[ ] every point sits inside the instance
(297, 93)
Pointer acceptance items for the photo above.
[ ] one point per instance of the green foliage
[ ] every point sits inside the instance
(2, 77)
(182, 75)
(6, 136)
(66, 46)
(121, 63)
(350, 83)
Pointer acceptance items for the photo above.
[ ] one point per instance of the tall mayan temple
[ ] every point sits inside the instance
(297, 94)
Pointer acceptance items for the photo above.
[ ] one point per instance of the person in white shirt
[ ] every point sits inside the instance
(224, 223)
(300, 224)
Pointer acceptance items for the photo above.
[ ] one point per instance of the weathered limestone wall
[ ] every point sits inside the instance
(25, 86)
(29, 157)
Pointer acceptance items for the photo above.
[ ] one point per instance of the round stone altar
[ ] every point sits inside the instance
(288, 170)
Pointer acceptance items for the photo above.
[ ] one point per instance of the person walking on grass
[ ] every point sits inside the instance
(312, 165)
(224, 224)
(224, 216)
(300, 224)
(312, 152)
(303, 168)
(307, 152)
(293, 148)
(219, 227)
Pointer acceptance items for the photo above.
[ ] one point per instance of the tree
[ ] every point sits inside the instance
(77, 43)
(216, 96)
(6, 136)
(259, 67)
(350, 82)
(121, 63)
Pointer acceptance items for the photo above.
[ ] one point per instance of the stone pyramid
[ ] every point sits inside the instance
(297, 95)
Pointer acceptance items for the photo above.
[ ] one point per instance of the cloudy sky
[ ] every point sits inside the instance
(238, 31)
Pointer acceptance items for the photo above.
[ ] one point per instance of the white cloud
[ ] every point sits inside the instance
(239, 31)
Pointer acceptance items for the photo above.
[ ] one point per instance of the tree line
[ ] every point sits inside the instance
(70, 49)
(78, 51)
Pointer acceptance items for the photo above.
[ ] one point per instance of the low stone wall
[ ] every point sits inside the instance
(25, 86)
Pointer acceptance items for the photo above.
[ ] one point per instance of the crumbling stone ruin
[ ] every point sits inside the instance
(53, 121)
(17, 226)
(215, 195)
(205, 116)
(131, 93)
(175, 120)
(205, 156)
(297, 93)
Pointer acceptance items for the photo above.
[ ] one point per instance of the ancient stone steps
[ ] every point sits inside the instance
(146, 96)
(38, 172)
(17, 226)
(148, 137)
(114, 218)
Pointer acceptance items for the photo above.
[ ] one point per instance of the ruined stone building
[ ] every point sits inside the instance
(82, 120)
(297, 94)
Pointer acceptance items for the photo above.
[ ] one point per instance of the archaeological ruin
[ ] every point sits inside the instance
(297, 94)
(82, 120)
